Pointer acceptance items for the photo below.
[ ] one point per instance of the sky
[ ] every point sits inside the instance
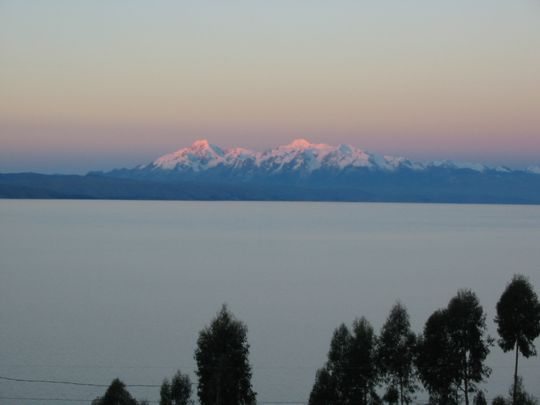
(87, 85)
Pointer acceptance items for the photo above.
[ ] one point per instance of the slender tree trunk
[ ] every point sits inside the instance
(466, 383)
(514, 394)
(401, 390)
(466, 378)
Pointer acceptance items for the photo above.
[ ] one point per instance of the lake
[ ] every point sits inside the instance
(93, 290)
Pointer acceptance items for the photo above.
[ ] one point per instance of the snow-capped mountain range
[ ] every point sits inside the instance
(303, 170)
(299, 156)
(299, 171)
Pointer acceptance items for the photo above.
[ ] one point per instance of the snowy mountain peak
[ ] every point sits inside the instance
(299, 143)
(300, 156)
(203, 146)
(302, 143)
(200, 156)
(304, 170)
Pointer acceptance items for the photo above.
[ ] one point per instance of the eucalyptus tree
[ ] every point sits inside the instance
(180, 389)
(116, 394)
(222, 357)
(453, 349)
(165, 393)
(350, 373)
(480, 398)
(470, 345)
(338, 364)
(362, 362)
(518, 321)
(396, 350)
(323, 391)
(177, 392)
(435, 360)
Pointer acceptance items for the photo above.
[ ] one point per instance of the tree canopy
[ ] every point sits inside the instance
(518, 320)
(518, 317)
(116, 394)
(177, 392)
(466, 327)
(453, 349)
(350, 373)
(396, 350)
(435, 359)
(222, 360)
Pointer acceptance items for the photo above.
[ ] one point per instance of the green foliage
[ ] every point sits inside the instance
(116, 394)
(518, 320)
(435, 359)
(178, 392)
(350, 374)
(165, 393)
(466, 326)
(453, 349)
(222, 362)
(323, 392)
(362, 362)
(396, 350)
(521, 396)
(480, 399)
(518, 317)
(338, 363)
(180, 389)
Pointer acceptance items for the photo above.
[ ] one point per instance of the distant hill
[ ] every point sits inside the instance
(300, 171)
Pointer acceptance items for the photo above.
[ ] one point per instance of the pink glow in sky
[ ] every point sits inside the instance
(92, 85)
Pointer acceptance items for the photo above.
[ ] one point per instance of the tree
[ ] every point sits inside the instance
(165, 393)
(518, 321)
(516, 396)
(350, 374)
(391, 395)
(396, 352)
(480, 399)
(323, 392)
(519, 395)
(435, 360)
(338, 363)
(466, 326)
(333, 382)
(116, 394)
(178, 392)
(180, 389)
(223, 368)
(362, 362)
(453, 348)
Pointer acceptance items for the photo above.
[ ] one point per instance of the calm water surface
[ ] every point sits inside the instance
(93, 290)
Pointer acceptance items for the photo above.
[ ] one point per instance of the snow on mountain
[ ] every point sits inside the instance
(299, 156)
(449, 164)
(308, 157)
(200, 156)
(534, 169)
